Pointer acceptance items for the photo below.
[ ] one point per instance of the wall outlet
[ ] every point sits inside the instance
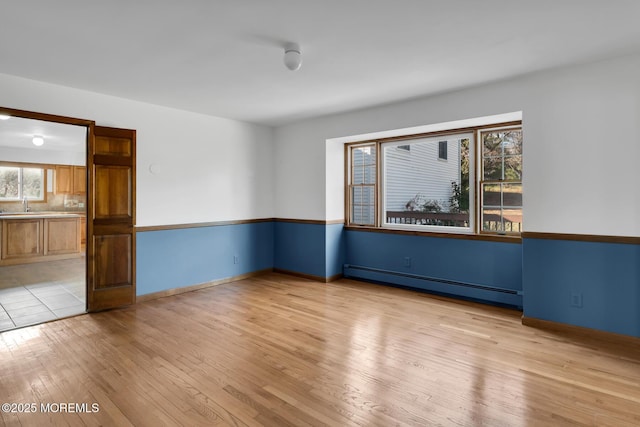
(576, 299)
(235, 259)
(407, 261)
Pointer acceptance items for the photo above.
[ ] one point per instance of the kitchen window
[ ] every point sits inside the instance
(432, 185)
(19, 183)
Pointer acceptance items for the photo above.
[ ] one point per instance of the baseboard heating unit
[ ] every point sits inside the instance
(488, 293)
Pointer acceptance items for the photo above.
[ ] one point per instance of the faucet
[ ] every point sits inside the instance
(25, 202)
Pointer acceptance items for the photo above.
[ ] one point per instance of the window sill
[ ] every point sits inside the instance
(463, 236)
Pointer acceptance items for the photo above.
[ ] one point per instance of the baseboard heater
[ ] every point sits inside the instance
(453, 287)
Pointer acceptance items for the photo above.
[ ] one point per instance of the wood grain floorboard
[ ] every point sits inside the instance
(277, 350)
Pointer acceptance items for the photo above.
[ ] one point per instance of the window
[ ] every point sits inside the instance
(442, 150)
(419, 189)
(362, 188)
(392, 186)
(501, 182)
(17, 183)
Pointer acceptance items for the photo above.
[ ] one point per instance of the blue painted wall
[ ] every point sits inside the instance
(170, 259)
(335, 249)
(300, 247)
(605, 276)
(551, 276)
(483, 263)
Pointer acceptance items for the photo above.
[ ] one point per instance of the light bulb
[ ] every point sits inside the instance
(37, 140)
(4, 116)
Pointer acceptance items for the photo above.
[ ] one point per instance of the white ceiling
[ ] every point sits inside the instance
(224, 58)
(17, 132)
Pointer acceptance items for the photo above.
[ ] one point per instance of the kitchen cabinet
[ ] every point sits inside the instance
(22, 239)
(83, 230)
(36, 238)
(79, 180)
(71, 179)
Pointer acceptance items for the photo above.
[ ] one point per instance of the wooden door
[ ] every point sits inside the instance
(111, 219)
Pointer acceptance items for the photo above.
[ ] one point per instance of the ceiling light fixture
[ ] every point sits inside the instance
(37, 140)
(292, 56)
(4, 116)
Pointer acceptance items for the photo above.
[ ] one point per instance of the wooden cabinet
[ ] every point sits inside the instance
(64, 179)
(83, 230)
(79, 180)
(71, 179)
(34, 239)
(61, 236)
(22, 239)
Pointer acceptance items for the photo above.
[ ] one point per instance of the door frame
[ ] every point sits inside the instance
(89, 148)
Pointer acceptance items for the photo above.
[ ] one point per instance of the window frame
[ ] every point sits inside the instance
(475, 172)
(382, 207)
(501, 181)
(23, 166)
(349, 184)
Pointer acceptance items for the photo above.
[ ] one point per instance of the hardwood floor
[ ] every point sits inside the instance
(278, 350)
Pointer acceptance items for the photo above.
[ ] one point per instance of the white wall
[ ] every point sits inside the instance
(581, 146)
(26, 155)
(206, 168)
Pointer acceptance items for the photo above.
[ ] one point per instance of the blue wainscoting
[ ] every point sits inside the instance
(458, 267)
(590, 284)
(313, 249)
(335, 250)
(175, 258)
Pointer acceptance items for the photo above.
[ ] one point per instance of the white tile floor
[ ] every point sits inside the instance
(41, 292)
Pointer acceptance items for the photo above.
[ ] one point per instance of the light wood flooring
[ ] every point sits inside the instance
(281, 351)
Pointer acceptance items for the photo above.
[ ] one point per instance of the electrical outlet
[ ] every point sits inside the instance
(235, 259)
(407, 261)
(576, 299)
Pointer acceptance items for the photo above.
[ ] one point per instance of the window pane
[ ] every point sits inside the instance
(492, 167)
(513, 168)
(492, 195)
(512, 142)
(33, 183)
(363, 205)
(442, 150)
(512, 220)
(363, 165)
(502, 220)
(9, 183)
(512, 195)
(492, 220)
(421, 189)
(502, 155)
(502, 210)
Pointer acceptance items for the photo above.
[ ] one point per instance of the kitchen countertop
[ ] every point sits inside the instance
(27, 215)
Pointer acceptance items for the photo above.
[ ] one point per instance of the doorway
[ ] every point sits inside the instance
(101, 230)
(43, 211)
